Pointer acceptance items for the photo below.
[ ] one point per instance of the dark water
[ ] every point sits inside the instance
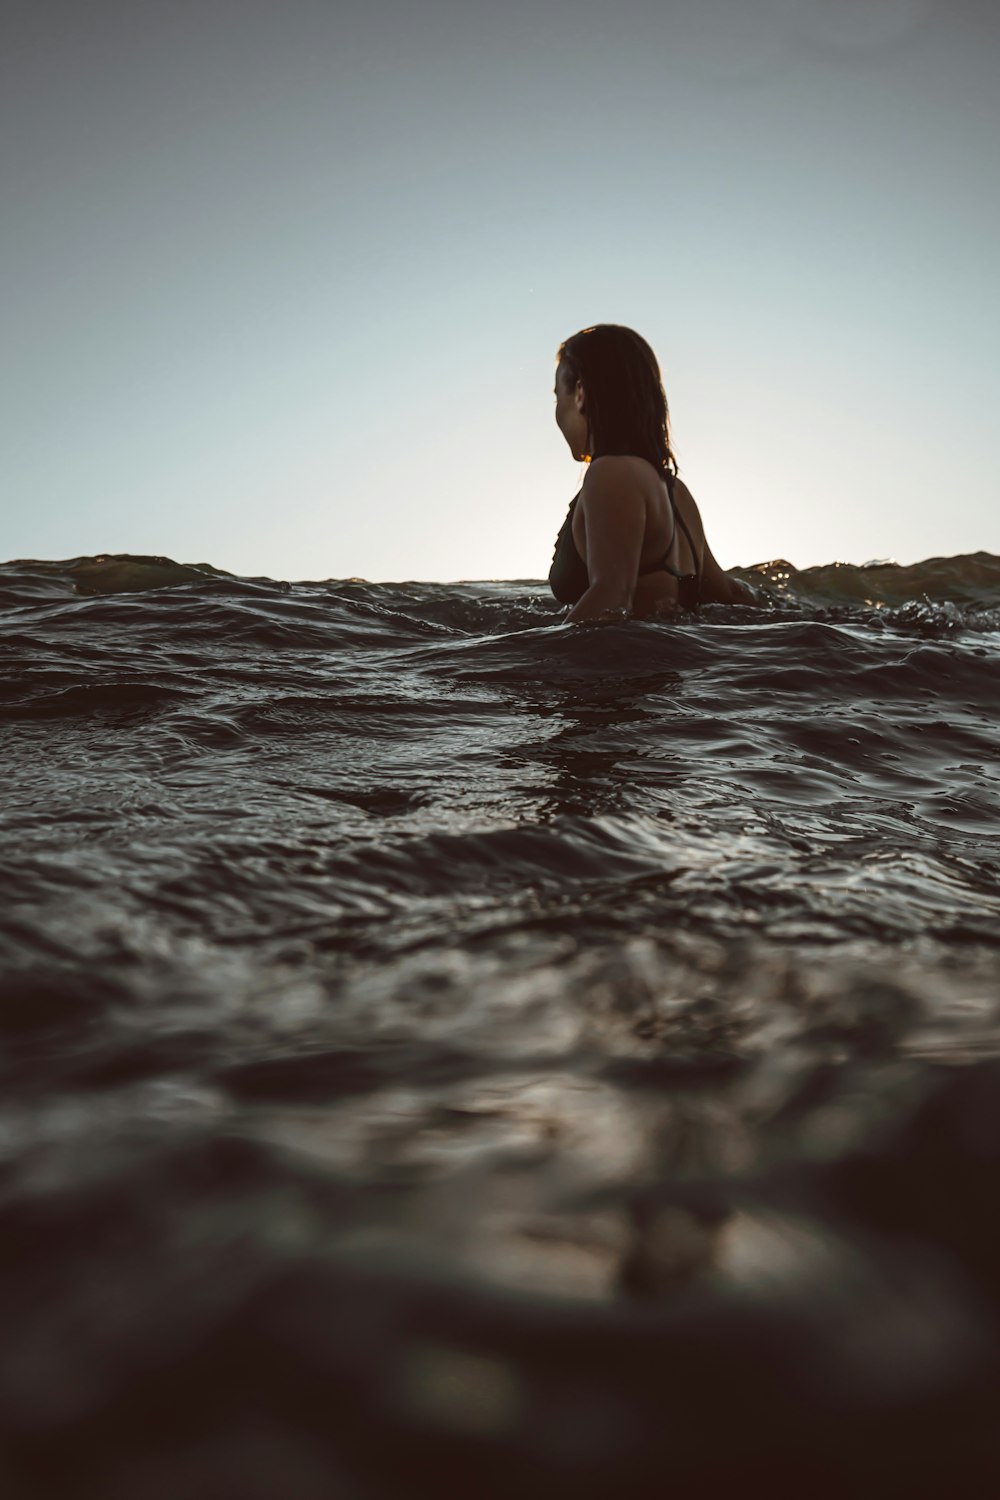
(447, 1052)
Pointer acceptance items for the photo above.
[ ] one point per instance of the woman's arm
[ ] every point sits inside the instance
(718, 587)
(613, 512)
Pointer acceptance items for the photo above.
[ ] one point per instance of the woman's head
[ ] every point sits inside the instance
(610, 398)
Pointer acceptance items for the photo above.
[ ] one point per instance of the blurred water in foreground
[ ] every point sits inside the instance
(447, 1051)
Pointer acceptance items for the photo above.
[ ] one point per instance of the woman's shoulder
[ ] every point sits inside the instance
(611, 470)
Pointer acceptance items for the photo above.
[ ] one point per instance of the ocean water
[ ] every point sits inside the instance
(446, 1051)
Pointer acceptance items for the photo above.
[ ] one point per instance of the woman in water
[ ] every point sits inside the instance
(633, 542)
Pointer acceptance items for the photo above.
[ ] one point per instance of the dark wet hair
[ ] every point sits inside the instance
(626, 403)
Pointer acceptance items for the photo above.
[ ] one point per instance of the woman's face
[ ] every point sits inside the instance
(571, 413)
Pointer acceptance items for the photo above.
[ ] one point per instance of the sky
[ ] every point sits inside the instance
(284, 280)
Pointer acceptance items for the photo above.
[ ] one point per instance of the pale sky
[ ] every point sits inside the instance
(284, 279)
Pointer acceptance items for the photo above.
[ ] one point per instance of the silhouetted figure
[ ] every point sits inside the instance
(633, 542)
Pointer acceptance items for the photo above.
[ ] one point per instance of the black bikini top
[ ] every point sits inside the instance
(568, 577)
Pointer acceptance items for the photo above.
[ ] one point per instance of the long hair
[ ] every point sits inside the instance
(626, 403)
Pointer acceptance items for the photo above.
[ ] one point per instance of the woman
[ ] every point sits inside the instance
(633, 542)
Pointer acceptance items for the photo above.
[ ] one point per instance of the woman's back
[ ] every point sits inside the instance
(670, 563)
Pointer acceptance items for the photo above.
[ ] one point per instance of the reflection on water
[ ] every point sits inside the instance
(444, 1052)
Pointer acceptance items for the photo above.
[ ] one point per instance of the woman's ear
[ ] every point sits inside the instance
(580, 397)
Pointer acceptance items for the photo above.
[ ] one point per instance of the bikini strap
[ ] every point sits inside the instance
(680, 521)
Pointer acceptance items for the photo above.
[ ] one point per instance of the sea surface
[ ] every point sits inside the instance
(449, 1052)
